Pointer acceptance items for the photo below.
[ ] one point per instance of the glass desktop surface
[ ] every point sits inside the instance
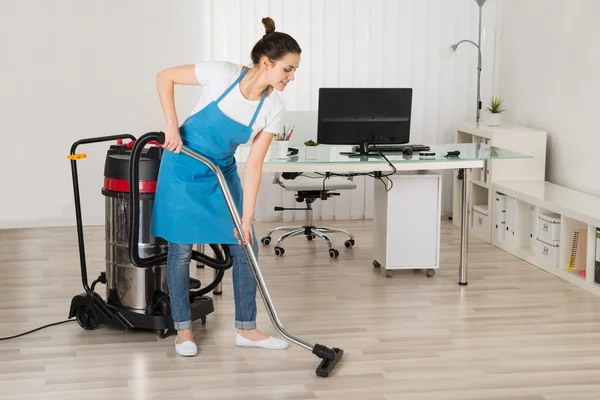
(329, 154)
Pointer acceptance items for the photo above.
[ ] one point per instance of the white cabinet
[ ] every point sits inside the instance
(407, 222)
(517, 138)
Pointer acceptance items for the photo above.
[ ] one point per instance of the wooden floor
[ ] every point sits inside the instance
(515, 332)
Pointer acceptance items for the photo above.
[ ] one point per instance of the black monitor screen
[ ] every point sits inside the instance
(350, 116)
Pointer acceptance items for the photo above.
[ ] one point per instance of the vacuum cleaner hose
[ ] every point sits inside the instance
(222, 260)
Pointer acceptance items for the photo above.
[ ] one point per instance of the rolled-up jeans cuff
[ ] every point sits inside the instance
(183, 325)
(245, 324)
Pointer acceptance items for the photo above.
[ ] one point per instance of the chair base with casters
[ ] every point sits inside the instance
(313, 189)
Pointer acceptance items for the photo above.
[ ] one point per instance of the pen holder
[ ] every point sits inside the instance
(281, 148)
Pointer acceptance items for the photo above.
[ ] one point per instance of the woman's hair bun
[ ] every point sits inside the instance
(269, 25)
(273, 45)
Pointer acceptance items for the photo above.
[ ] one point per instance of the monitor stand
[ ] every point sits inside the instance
(363, 151)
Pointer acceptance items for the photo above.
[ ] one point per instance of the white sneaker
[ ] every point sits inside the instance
(186, 349)
(271, 343)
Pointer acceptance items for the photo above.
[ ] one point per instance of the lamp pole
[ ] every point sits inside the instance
(478, 73)
(480, 3)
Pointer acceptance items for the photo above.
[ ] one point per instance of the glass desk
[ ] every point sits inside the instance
(327, 158)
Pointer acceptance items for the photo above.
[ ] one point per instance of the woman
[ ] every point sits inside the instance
(238, 105)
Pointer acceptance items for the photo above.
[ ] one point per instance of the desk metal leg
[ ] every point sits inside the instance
(464, 227)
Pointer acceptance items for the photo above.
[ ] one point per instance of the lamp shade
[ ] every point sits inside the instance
(480, 3)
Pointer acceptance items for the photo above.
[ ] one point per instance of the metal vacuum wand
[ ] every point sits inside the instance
(330, 356)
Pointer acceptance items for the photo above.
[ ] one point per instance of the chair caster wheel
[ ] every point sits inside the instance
(349, 243)
(429, 272)
(376, 264)
(279, 251)
(203, 320)
(333, 253)
(389, 273)
(310, 237)
(266, 240)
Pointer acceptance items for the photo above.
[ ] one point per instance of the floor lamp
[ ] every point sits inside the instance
(480, 3)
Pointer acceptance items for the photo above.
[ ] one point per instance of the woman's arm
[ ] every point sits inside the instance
(165, 81)
(252, 178)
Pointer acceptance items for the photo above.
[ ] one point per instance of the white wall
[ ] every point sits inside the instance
(72, 69)
(549, 57)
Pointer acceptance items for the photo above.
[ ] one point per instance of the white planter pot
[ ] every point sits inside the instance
(492, 119)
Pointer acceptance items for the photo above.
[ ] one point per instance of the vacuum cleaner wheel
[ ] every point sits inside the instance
(163, 333)
(86, 318)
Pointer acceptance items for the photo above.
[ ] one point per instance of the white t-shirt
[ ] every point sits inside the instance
(216, 76)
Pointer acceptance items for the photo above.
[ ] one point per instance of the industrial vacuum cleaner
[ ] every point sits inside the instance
(137, 295)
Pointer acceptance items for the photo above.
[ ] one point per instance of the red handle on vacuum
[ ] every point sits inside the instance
(132, 143)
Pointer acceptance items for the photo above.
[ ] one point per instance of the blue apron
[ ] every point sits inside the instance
(189, 206)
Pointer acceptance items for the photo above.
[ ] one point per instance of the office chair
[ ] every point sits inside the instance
(308, 188)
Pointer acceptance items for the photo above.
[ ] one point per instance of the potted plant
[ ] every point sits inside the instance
(495, 110)
(311, 149)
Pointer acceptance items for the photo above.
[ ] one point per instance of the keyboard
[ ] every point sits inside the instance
(395, 147)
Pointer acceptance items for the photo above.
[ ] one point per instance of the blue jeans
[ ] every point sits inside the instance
(178, 281)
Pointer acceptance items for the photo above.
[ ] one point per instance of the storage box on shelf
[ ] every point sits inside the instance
(551, 227)
(518, 138)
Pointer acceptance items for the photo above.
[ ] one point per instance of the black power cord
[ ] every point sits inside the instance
(375, 175)
(100, 279)
(37, 329)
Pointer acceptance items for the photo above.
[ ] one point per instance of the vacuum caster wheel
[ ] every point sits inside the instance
(429, 272)
(333, 253)
(389, 273)
(349, 243)
(266, 240)
(163, 333)
(203, 320)
(279, 251)
(376, 264)
(86, 318)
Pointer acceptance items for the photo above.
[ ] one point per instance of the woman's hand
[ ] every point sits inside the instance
(247, 232)
(173, 139)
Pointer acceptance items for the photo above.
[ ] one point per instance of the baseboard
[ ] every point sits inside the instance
(27, 223)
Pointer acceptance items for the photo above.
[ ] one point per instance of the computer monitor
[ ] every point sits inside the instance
(363, 116)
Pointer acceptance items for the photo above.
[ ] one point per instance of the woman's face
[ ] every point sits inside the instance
(281, 72)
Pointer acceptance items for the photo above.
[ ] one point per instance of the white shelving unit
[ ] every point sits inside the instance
(517, 138)
(551, 227)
